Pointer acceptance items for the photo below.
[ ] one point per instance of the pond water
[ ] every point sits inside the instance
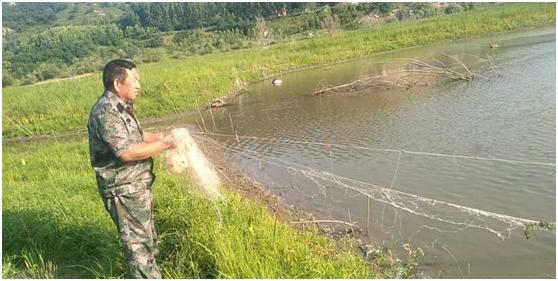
(339, 156)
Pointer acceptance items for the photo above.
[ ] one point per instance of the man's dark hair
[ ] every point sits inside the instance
(116, 70)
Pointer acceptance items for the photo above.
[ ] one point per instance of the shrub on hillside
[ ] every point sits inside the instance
(453, 8)
(47, 71)
(7, 78)
(151, 55)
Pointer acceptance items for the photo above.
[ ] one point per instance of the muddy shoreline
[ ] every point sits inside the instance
(235, 180)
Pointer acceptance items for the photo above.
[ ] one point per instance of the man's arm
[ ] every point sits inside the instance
(114, 132)
(153, 137)
(150, 137)
(144, 150)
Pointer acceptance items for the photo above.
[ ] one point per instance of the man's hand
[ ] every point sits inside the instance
(161, 136)
(150, 137)
(169, 140)
(152, 144)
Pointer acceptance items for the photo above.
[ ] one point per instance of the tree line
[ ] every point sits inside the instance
(42, 47)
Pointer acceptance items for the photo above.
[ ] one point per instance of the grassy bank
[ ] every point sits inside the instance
(176, 85)
(54, 226)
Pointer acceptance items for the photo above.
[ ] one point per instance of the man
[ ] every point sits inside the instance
(120, 154)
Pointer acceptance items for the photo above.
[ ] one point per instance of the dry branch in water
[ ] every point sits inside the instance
(384, 81)
(412, 74)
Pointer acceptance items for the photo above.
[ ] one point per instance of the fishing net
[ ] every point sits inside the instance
(186, 156)
(443, 216)
(455, 217)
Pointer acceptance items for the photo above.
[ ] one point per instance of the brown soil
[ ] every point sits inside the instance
(61, 79)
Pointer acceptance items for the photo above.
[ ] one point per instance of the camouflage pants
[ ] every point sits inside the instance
(131, 208)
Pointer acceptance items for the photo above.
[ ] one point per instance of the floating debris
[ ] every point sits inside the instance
(414, 73)
(217, 103)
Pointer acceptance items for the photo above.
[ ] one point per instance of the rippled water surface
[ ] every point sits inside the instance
(326, 153)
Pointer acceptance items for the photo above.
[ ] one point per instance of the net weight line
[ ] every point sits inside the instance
(458, 216)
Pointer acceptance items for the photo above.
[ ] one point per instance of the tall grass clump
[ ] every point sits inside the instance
(172, 86)
(55, 226)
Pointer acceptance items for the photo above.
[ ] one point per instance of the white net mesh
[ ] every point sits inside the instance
(186, 155)
(444, 216)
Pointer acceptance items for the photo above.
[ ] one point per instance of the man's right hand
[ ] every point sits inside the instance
(169, 140)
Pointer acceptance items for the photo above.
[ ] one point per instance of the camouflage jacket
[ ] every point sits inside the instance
(113, 129)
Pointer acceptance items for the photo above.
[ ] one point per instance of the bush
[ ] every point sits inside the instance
(88, 65)
(152, 55)
(47, 71)
(130, 49)
(206, 49)
(237, 44)
(453, 8)
(29, 79)
(60, 44)
(331, 23)
(7, 78)
(348, 15)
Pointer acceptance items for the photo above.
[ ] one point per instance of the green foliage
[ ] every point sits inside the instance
(92, 31)
(46, 71)
(414, 11)
(151, 55)
(36, 17)
(529, 229)
(216, 16)
(28, 14)
(57, 45)
(287, 26)
(453, 8)
(202, 42)
(348, 14)
(45, 55)
(384, 7)
(7, 78)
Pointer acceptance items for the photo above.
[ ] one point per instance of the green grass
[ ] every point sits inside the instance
(55, 226)
(173, 86)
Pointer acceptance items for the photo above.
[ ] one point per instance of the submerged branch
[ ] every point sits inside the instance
(413, 67)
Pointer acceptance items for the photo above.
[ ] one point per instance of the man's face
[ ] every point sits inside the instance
(130, 88)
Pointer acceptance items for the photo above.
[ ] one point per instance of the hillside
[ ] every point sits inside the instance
(43, 41)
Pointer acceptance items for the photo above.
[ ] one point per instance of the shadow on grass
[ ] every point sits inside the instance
(78, 249)
(82, 249)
